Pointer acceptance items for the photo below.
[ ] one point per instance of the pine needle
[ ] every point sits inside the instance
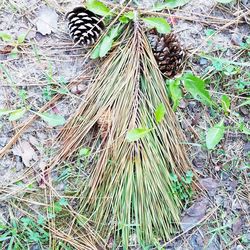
(130, 190)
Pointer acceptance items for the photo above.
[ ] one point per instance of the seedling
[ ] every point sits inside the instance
(14, 43)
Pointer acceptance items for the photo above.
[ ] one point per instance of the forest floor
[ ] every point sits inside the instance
(33, 71)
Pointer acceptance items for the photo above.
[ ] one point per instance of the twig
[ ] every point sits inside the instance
(25, 125)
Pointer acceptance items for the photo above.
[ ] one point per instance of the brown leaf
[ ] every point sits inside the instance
(194, 214)
(6, 49)
(210, 185)
(46, 21)
(237, 227)
(25, 151)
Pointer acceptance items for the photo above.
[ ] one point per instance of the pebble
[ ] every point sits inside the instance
(203, 61)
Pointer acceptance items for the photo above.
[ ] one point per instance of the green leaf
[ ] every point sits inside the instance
(5, 37)
(160, 112)
(98, 8)
(215, 134)
(84, 152)
(14, 53)
(136, 134)
(106, 45)
(196, 87)
(21, 38)
(40, 219)
(175, 92)
(115, 31)
(5, 112)
(244, 129)
(26, 221)
(57, 207)
(161, 25)
(170, 4)
(127, 17)
(53, 120)
(210, 32)
(34, 236)
(17, 114)
(173, 177)
(63, 202)
(96, 51)
(224, 1)
(107, 41)
(189, 177)
(225, 103)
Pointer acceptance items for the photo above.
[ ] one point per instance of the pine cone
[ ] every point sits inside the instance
(85, 27)
(168, 52)
(104, 123)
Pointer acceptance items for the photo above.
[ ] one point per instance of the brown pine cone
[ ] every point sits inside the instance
(168, 52)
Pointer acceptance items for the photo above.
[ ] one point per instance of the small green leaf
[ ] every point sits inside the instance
(196, 87)
(63, 202)
(26, 221)
(161, 25)
(189, 177)
(21, 38)
(84, 152)
(106, 42)
(96, 51)
(98, 8)
(14, 53)
(210, 32)
(215, 134)
(173, 177)
(40, 219)
(34, 236)
(5, 37)
(57, 207)
(136, 134)
(225, 103)
(127, 17)
(160, 112)
(175, 92)
(53, 120)
(17, 114)
(106, 45)
(5, 112)
(170, 4)
(244, 129)
(115, 31)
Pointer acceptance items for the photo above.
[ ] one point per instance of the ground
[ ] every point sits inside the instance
(217, 38)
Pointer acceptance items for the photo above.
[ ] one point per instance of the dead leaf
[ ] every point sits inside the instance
(25, 151)
(194, 214)
(237, 227)
(6, 49)
(210, 185)
(46, 21)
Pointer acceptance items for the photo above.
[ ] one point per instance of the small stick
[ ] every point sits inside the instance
(25, 125)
